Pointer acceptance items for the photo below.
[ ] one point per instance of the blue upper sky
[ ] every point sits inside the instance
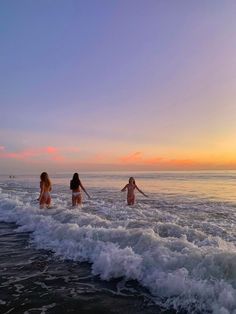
(141, 73)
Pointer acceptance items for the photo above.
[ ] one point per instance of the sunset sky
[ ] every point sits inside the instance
(117, 85)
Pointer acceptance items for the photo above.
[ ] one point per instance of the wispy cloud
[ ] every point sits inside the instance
(51, 150)
(49, 153)
(73, 156)
(133, 157)
(138, 158)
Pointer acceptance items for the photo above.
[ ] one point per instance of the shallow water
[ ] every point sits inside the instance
(174, 250)
(34, 281)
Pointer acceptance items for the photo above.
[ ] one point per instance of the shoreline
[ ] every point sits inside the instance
(33, 280)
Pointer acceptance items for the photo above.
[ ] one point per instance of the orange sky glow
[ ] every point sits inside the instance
(131, 85)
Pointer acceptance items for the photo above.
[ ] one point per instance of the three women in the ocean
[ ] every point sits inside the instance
(130, 187)
(45, 189)
(75, 185)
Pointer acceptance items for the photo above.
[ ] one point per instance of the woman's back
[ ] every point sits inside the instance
(75, 184)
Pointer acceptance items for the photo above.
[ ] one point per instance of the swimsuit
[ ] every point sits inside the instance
(45, 199)
(46, 194)
(76, 193)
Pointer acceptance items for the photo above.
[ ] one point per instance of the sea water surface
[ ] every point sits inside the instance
(174, 251)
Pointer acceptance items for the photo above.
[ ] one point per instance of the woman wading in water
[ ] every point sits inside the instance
(45, 189)
(75, 185)
(130, 187)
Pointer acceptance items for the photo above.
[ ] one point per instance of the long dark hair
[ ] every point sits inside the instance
(75, 182)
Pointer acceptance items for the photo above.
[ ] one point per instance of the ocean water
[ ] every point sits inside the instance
(174, 251)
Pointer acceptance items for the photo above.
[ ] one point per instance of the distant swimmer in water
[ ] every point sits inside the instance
(131, 186)
(75, 185)
(45, 189)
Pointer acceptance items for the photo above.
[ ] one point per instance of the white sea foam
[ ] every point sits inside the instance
(185, 263)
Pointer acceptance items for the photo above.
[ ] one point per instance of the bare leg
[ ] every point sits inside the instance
(73, 200)
(79, 200)
(130, 200)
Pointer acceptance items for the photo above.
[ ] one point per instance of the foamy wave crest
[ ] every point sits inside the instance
(183, 268)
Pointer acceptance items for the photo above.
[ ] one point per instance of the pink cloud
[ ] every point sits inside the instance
(134, 157)
(138, 158)
(51, 153)
(58, 158)
(51, 150)
(16, 155)
(68, 156)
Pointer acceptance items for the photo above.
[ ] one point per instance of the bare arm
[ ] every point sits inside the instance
(140, 191)
(124, 188)
(82, 187)
(41, 191)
